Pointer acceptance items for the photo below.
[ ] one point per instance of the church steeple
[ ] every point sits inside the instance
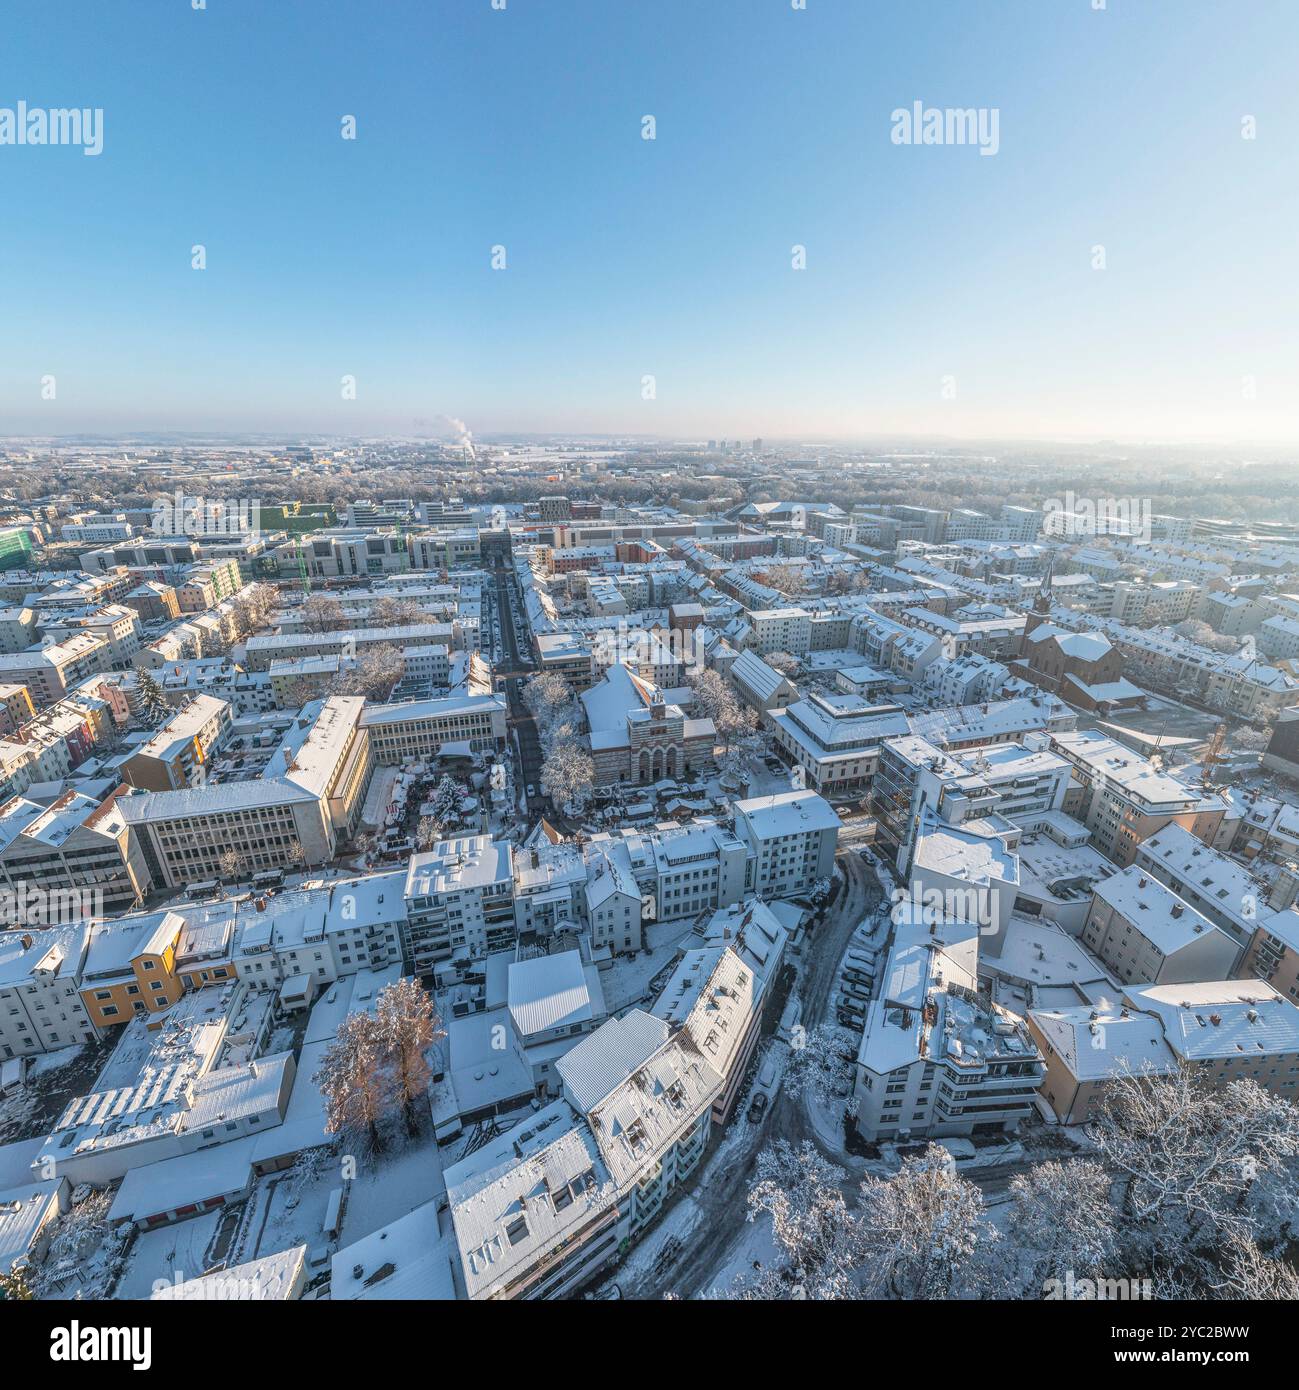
(1042, 602)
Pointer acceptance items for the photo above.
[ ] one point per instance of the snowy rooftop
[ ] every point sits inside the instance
(1103, 1040)
(1134, 775)
(272, 1278)
(1154, 910)
(963, 854)
(469, 861)
(1224, 1019)
(522, 1193)
(554, 991)
(606, 1058)
(787, 813)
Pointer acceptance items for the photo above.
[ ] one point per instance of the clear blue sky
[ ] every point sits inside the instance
(672, 258)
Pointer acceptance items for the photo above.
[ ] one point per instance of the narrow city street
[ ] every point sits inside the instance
(716, 1198)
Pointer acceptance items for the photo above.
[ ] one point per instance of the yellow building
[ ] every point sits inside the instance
(131, 968)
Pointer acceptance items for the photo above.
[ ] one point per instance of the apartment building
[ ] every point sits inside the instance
(41, 1008)
(50, 672)
(836, 739)
(792, 837)
(130, 968)
(459, 901)
(780, 630)
(178, 753)
(1215, 885)
(74, 858)
(1224, 1030)
(936, 1059)
(262, 650)
(1124, 799)
(1144, 933)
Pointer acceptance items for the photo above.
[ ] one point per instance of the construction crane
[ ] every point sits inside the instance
(304, 576)
(1213, 754)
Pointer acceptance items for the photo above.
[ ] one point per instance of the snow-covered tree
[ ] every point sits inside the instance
(552, 703)
(923, 1233)
(408, 1027)
(14, 1287)
(545, 692)
(251, 607)
(1200, 1165)
(716, 699)
(447, 796)
(791, 580)
(821, 1064)
(153, 704)
(352, 1081)
(1062, 1218)
(1250, 1275)
(816, 1233)
(568, 774)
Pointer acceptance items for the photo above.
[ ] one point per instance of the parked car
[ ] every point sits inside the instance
(757, 1107)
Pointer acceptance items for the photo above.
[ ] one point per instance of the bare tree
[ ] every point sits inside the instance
(408, 1027)
(428, 832)
(389, 611)
(351, 1078)
(230, 865)
(376, 671)
(322, 613)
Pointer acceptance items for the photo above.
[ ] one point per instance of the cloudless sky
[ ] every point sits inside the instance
(671, 258)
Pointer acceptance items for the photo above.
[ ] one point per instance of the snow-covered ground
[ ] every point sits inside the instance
(626, 981)
(169, 1253)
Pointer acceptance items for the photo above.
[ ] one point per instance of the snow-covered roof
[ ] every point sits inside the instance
(1103, 1040)
(553, 991)
(524, 1193)
(1154, 910)
(604, 1059)
(410, 1258)
(278, 1277)
(1224, 1019)
(787, 813)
